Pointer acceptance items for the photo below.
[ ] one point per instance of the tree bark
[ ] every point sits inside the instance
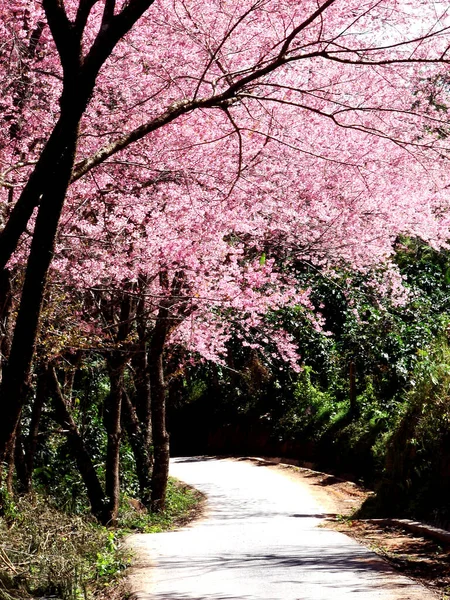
(161, 449)
(354, 409)
(5, 317)
(79, 452)
(167, 320)
(17, 372)
(32, 439)
(141, 398)
(10, 470)
(160, 435)
(26, 448)
(140, 449)
(113, 404)
(74, 361)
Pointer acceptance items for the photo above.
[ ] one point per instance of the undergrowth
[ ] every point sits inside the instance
(46, 552)
(182, 505)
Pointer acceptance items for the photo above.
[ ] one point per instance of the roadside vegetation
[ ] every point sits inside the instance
(372, 401)
(46, 551)
(247, 250)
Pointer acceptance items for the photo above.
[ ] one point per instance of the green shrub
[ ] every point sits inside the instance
(416, 481)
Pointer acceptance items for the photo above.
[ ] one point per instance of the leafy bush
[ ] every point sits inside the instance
(416, 481)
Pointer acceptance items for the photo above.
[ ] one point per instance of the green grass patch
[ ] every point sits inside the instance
(183, 504)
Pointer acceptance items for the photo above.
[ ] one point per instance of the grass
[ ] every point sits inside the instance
(183, 504)
(45, 552)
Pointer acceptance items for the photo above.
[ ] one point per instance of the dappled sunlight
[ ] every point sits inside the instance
(260, 539)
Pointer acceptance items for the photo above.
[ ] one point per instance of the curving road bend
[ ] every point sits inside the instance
(260, 540)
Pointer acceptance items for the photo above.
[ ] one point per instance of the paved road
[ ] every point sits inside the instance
(260, 540)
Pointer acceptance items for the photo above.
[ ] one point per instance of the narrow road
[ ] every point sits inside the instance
(260, 539)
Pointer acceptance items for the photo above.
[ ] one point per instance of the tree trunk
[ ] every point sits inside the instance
(10, 470)
(140, 449)
(141, 398)
(139, 362)
(32, 439)
(25, 449)
(79, 452)
(354, 409)
(74, 362)
(39, 180)
(166, 322)
(113, 404)
(160, 435)
(5, 317)
(20, 464)
(17, 372)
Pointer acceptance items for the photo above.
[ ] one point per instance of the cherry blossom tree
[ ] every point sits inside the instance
(213, 142)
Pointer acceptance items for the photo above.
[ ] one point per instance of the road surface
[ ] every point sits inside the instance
(259, 540)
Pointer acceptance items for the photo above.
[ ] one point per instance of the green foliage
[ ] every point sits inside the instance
(182, 503)
(8, 505)
(386, 342)
(110, 560)
(313, 410)
(417, 476)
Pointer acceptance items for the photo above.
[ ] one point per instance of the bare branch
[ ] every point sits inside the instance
(294, 33)
(224, 39)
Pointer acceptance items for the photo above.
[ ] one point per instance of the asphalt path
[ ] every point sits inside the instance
(259, 540)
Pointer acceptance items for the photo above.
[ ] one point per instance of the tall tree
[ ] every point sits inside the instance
(304, 127)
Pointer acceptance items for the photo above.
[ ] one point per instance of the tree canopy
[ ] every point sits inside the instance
(172, 164)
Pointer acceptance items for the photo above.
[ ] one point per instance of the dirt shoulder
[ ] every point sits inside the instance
(422, 559)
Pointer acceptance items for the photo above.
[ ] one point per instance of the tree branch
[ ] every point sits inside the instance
(84, 10)
(113, 28)
(61, 30)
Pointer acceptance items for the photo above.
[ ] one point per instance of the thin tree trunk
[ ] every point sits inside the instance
(5, 317)
(38, 181)
(354, 409)
(113, 404)
(25, 449)
(140, 448)
(20, 464)
(161, 447)
(10, 471)
(160, 435)
(141, 398)
(139, 361)
(166, 322)
(116, 362)
(32, 439)
(70, 372)
(79, 452)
